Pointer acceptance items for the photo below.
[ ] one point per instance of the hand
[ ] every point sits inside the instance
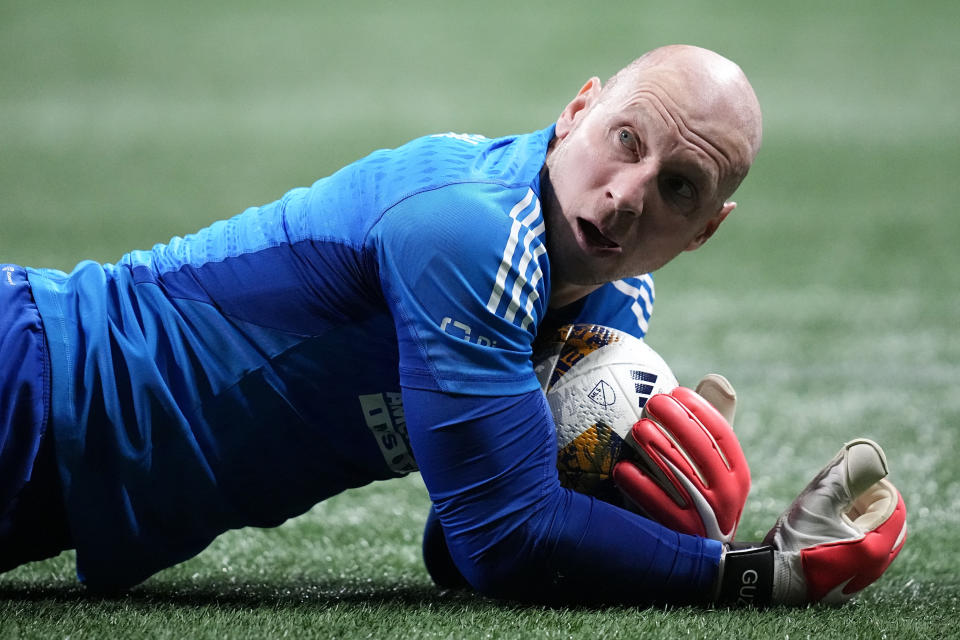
(838, 536)
(687, 470)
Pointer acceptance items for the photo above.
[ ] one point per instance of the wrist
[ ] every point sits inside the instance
(746, 576)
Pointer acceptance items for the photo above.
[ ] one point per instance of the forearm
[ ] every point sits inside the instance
(611, 555)
(513, 531)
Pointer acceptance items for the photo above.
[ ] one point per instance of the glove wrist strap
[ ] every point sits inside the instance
(746, 576)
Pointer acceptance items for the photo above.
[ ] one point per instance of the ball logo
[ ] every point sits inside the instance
(596, 380)
(644, 382)
(603, 394)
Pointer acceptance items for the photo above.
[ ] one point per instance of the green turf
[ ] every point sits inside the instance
(830, 298)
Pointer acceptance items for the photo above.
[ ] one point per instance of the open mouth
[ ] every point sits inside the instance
(593, 236)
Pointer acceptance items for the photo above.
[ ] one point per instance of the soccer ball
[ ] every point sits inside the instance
(597, 381)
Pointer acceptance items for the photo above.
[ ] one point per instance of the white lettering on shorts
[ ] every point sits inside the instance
(383, 413)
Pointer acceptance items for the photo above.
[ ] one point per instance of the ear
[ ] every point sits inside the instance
(587, 96)
(711, 227)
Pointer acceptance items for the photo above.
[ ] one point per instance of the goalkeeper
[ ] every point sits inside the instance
(374, 323)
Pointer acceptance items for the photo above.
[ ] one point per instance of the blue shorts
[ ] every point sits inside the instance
(32, 516)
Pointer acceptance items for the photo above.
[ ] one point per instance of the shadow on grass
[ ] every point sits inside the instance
(407, 595)
(291, 595)
(247, 596)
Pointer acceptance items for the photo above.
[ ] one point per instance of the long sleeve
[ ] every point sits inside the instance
(513, 531)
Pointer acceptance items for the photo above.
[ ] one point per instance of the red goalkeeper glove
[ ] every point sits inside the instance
(687, 470)
(838, 536)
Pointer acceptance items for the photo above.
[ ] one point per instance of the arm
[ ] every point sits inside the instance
(466, 286)
(840, 535)
(512, 531)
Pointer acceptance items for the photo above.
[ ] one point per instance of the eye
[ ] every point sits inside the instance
(627, 139)
(679, 189)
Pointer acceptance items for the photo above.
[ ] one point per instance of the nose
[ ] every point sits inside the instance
(629, 187)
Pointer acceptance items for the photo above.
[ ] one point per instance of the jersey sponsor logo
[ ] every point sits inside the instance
(383, 413)
(7, 271)
(642, 292)
(515, 287)
(464, 332)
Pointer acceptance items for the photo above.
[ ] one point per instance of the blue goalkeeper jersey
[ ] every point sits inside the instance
(239, 375)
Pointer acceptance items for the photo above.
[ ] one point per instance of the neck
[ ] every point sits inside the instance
(564, 293)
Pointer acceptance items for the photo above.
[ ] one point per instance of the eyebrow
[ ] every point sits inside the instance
(695, 143)
(700, 145)
(706, 182)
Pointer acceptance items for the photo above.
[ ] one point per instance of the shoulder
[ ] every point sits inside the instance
(461, 171)
(428, 177)
(625, 304)
(484, 242)
(472, 212)
(470, 198)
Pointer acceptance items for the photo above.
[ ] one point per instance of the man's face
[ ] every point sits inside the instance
(636, 178)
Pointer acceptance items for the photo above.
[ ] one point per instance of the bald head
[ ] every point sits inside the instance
(713, 92)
